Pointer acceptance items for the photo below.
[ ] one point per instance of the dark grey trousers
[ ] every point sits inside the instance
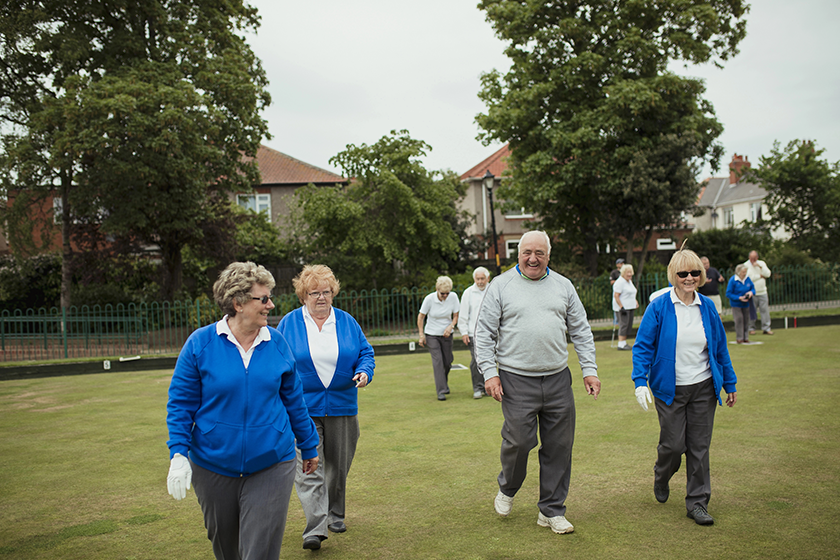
(245, 516)
(477, 378)
(440, 347)
(741, 316)
(545, 404)
(322, 493)
(686, 427)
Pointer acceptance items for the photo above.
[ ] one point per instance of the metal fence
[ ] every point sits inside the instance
(162, 328)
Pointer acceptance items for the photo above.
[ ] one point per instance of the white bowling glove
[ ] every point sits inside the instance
(180, 476)
(643, 397)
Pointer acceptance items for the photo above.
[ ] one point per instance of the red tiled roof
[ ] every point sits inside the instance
(278, 168)
(496, 164)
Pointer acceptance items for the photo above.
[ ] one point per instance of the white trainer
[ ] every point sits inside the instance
(503, 504)
(558, 524)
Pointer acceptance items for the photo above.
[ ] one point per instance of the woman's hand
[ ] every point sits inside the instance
(310, 465)
(361, 379)
(731, 398)
(422, 340)
(447, 332)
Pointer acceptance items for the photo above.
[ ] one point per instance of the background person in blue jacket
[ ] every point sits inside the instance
(235, 410)
(681, 351)
(334, 360)
(740, 291)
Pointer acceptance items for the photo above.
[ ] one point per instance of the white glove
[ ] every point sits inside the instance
(180, 476)
(643, 397)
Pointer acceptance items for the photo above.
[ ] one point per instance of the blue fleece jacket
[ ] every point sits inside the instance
(655, 349)
(232, 420)
(355, 355)
(736, 289)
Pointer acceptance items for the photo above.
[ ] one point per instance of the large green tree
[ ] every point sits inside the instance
(393, 223)
(137, 114)
(803, 196)
(605, 141)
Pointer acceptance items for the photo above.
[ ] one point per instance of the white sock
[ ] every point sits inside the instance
(622, 343)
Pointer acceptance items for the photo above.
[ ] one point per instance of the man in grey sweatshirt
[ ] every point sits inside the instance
(522, 325)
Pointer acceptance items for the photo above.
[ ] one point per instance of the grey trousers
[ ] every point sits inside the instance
(741, 316)
(245, 516)
(686, 427)
(440, 347)
(762, 305)
(322, 493)
(545, 404)
(477, 378)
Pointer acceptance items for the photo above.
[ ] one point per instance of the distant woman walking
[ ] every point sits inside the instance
(441, 307)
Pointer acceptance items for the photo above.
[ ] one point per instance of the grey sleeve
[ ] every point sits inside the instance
(581, 334)
(487, 332)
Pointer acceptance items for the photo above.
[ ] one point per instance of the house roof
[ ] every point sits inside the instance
(719, 192)
(496, 164)
(277, 168)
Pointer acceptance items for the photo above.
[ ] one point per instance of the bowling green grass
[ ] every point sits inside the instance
(83, 464)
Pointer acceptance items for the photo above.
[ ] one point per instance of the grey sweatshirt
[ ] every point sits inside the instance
(522, 325)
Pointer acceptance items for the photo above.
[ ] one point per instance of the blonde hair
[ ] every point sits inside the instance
(235, 283)
(311, 276)
(685, 259)
(624, 268)
(443, 283)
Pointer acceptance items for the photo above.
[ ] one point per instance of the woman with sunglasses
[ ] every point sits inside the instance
(439, 312)
(235, 410)
(334, 360)
(681, 352)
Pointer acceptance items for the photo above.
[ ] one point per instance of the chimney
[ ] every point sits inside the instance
(738, 163)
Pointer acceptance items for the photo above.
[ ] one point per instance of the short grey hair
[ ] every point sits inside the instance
(740, 267)
(541, 233)
(235, 283)
(481, 270)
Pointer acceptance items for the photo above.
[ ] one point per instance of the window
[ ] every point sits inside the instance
(511, 248)
(665, 244)
(518, 214)
(255, 202)
(729, 217)
(755, 211)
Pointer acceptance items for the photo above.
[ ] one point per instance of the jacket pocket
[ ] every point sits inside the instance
(268, 444)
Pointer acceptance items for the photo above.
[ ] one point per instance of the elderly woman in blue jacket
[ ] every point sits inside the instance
(681, 351)
(334, 360)
(235, 410)
(740, 291)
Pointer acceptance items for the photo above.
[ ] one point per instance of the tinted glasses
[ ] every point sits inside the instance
(263, 300)
(685, 273)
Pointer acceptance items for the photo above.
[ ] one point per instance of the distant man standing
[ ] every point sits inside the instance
(470, 302)
(522, 325)
(758, 272)
(711, 288)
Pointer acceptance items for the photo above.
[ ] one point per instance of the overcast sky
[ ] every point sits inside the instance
(349, 72)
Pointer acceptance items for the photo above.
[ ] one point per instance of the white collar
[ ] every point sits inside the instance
(222, 327)
(675, 299)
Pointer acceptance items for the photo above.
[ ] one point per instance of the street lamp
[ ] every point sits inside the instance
(489, 181)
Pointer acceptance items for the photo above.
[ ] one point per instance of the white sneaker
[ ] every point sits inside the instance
(558, 524)
(503, 504)
(477, 395)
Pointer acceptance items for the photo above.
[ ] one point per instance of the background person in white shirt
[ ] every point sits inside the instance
(441, 307)
(758, 272)
(470, 303)
(625, 304)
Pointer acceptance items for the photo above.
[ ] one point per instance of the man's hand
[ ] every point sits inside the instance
(493, 387)
(466, 339)
(593, 385)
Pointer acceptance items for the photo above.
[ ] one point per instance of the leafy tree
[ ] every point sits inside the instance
(803, 196)
(605, 142)
(395, 222)
(729, 246)
(30, 282)
(136, 114)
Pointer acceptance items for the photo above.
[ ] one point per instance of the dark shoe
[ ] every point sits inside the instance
(337, 527)
(661, 493)
(313, 542)
(441, 397)
(700, 516)
(625, 348)
(768, 332)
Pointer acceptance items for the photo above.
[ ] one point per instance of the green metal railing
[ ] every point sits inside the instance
(162, 328)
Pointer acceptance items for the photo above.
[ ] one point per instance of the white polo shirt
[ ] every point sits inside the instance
(692, 355)
(439, 313)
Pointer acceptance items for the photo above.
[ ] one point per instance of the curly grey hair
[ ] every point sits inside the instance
(235, 283)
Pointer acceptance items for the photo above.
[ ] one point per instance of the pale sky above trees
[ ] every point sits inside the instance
(350, 72)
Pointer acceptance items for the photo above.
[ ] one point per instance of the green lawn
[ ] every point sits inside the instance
(84, 462)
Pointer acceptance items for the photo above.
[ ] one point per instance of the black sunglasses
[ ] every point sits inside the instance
(263, 300)
(685, 273)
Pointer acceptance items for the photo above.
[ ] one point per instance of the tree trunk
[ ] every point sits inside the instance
(172, 265)
(648, 236)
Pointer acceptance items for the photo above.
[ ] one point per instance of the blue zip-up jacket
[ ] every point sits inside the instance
(236, 421)
(736, 289)
(355, 355)
(655, 349)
